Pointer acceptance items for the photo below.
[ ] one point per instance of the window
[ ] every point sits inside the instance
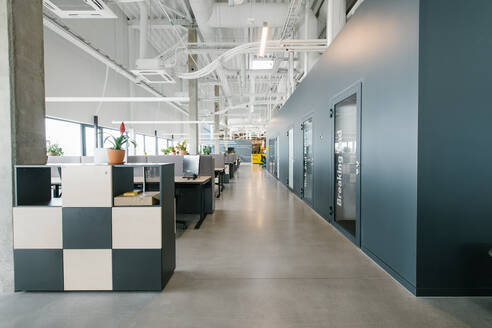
(89, 141)
(162, 144)
(109, 132)
(66, 134)
(150, 145)
(139, 139)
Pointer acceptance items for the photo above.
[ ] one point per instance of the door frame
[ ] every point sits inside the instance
(307, 117)
(277, 156)
(356, 89)
(290, 130)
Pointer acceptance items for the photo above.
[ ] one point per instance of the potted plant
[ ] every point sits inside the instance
(182, 148)
(207, 150)
(168, 150)
(116, 154)
(173, 150)
(53, 149)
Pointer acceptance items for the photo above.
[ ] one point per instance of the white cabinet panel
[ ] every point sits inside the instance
(137, 227)
(38, 228)
(87, 269)
(87, 186)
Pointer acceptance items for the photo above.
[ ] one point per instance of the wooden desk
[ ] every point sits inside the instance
(198, 180)
(187, 201)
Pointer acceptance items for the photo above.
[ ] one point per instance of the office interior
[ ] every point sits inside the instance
(239, 163)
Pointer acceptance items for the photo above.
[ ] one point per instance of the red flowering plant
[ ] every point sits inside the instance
(119, 142)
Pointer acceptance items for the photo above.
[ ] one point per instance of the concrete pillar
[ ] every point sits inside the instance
(217, 120)
(226, 132)
(193, 129)
(336, 19)
(22, 111)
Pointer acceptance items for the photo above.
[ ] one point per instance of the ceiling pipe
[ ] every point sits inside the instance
(144, 20)
(202, 10)
(271, 46)
(243, 16)
(103, 58)
(116, 99)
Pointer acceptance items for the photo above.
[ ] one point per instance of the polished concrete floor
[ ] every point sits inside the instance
(264, 259)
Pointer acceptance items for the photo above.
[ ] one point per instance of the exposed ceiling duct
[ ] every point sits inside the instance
(202, 10)
(271, 46)
(150, 70)
(224, 16)
(79, 8)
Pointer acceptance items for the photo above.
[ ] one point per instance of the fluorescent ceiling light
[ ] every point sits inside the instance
(163, 122)
(116, 99)
(258, 64)
(264, 35)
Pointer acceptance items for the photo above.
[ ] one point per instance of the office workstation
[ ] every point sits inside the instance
(245, 163)
(194, 176)
(219, 172)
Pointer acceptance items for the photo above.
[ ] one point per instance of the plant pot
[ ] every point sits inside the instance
(51, 154)
(174, 153)
(183, 152)
(116, 156)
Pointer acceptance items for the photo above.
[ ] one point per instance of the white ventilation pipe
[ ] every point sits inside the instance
(144, 20)
(253, 47)
(248, 15)
(202, 10)
(308, 30)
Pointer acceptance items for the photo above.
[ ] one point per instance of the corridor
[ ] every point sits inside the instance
(263, 259)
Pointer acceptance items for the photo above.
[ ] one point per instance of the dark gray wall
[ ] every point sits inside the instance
(455, 148)
(380, 47)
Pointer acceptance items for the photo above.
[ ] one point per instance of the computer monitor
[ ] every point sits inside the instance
(191, 165)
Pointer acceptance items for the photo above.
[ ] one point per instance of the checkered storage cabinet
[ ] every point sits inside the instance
(83, 242)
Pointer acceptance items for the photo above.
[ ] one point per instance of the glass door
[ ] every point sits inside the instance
(291, 158)
(346, 140)
(307, 189)
(273, 156)
(277, 156)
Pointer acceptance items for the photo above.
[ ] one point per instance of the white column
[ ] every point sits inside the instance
(336, 19)
(217, 120)
(193, 129)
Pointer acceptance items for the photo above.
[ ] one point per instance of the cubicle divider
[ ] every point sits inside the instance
(176, 159)
(219, 161)
(231, 161)
(207, 168)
